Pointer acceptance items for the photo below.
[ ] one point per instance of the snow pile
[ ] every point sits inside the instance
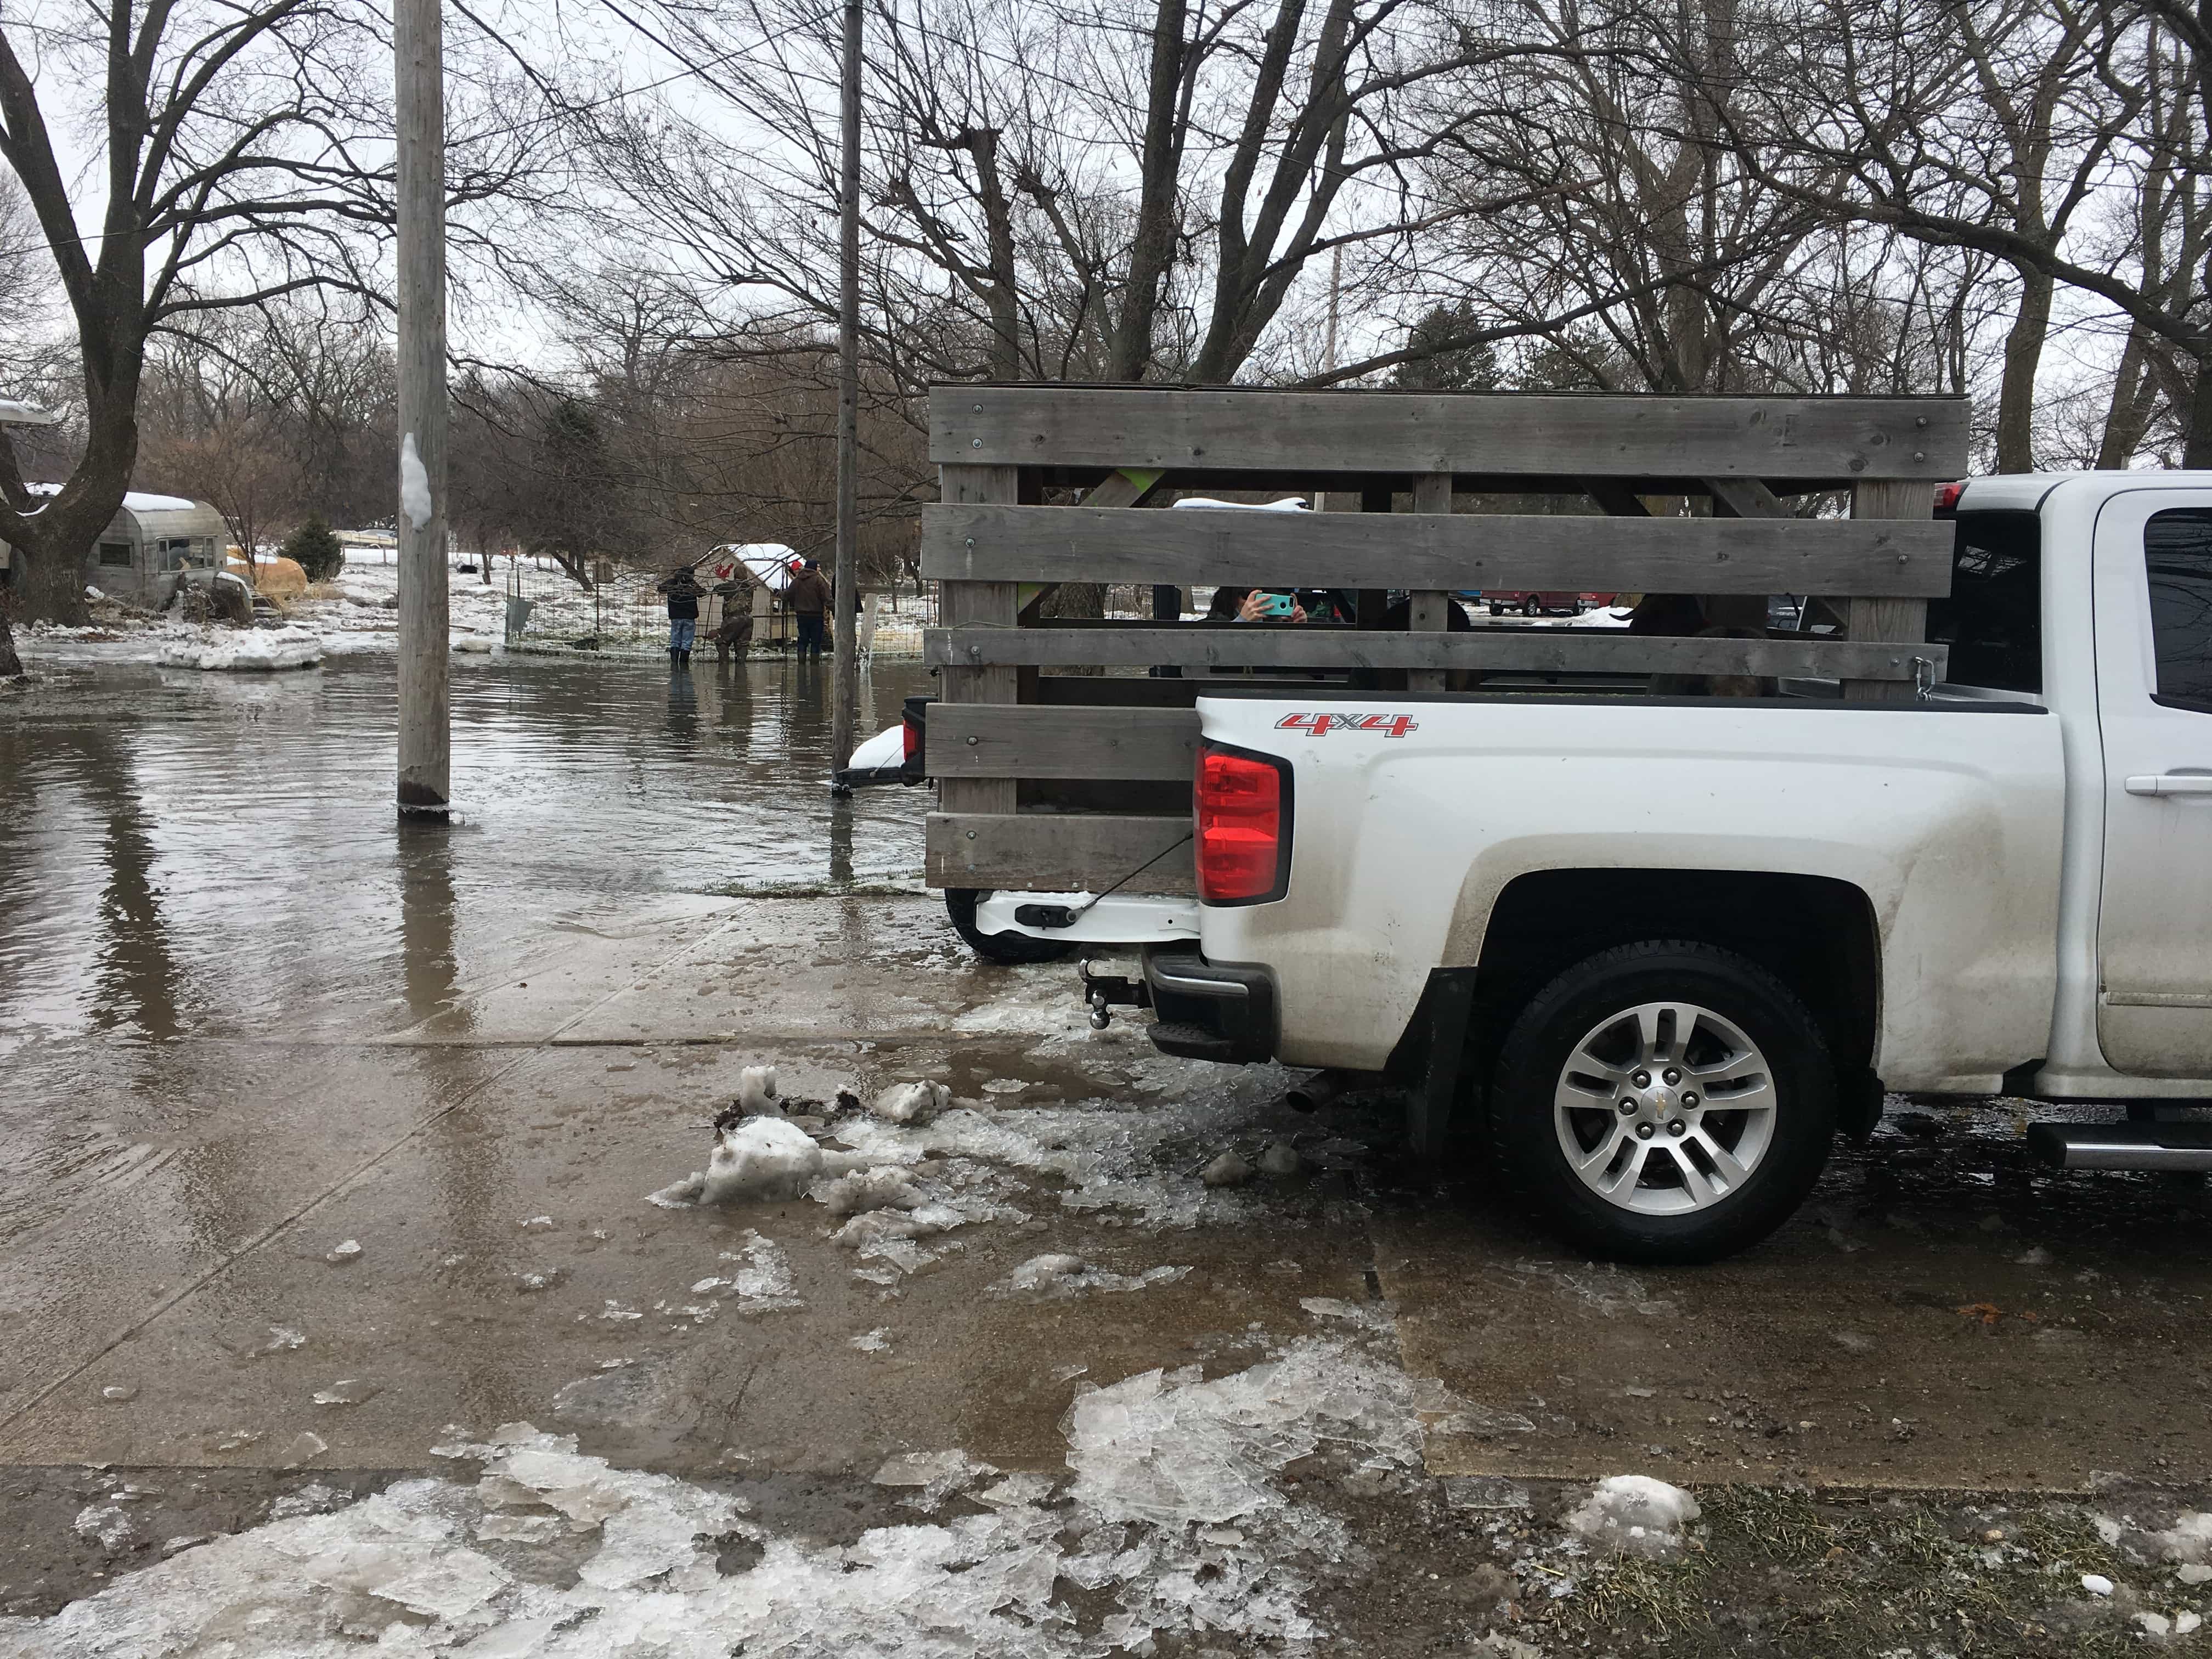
(761, 1160)
(1634, 1515)
(1049, 1277)
(552, 1554)
(244, 649)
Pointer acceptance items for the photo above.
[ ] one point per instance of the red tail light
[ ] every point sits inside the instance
(1947, 497)
(1243, 817)
(910, 733)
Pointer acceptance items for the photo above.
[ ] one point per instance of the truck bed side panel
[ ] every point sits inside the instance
(1949, 823)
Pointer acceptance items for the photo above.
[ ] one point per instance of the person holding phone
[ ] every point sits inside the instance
(1255, 604)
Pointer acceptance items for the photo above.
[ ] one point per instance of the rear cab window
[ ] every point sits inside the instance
(2177, 563)
(1993, 617)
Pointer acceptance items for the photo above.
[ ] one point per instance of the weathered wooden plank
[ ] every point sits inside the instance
(1060, 851)
(1127, 488)
(984, 604)
(1891, 617)
(1429, 608)
(1530, 650)
(1540, 433)
(1437, 551)
(982, 740)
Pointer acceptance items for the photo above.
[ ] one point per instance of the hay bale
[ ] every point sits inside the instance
(276, 575)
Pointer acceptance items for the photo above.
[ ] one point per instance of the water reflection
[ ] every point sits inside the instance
(217, 853)
(427, 910)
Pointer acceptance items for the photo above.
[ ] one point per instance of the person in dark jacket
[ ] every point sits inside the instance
(683, 591)
(808, 600)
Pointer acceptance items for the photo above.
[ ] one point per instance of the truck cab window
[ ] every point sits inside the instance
(2177, 560)
(1993, 619)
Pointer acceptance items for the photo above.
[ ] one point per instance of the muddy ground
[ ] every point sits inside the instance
(1946, 1392)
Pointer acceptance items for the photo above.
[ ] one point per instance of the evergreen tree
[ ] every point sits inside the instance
(314, 547)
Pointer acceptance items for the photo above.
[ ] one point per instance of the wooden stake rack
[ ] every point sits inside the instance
(1065, 781)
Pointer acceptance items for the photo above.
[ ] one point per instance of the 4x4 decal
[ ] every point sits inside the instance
(1319, 725)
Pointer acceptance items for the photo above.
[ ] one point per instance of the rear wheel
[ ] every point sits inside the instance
(1665, 1101)
(1012, 949)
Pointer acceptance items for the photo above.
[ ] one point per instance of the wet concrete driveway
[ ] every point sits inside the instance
(246, 1021)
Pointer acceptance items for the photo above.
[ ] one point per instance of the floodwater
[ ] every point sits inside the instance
(197, 853)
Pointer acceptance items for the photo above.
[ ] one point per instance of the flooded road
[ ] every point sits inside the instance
(326, 1145)
(214, 854)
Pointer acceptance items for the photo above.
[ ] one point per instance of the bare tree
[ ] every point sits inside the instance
(239, 162)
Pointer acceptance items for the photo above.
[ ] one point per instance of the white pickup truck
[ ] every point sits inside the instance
(1660, 951)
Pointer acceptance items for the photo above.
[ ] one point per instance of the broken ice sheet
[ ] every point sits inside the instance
(938, 1473)
(1048, 1277)
(875, 1341)
(636, 1552)
(458, 1582)
(761, 1282)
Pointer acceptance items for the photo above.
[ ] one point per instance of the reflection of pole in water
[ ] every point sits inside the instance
(840, 841)
(426, 918)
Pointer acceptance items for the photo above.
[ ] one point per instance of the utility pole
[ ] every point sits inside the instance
(425, 716)
(846, 691)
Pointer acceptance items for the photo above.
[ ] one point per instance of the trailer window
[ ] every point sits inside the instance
(112, 553)
(1993, 619)
(2177, 560)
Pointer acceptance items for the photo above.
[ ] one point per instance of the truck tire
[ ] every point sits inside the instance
(1665, 1101)
(1012, 949)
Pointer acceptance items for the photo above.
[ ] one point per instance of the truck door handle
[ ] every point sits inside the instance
(2172, 783)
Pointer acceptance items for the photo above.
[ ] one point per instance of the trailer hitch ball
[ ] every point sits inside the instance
(1102, 1016)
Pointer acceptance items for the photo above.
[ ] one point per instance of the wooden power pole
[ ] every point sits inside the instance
(846, 691)
(425, 717)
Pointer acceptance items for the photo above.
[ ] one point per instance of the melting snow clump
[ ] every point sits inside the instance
(757, 1091)
(763, 1161)
(1634, 1515)
(911, 1102)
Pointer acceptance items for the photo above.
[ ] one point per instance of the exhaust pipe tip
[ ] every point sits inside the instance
(1324, 1088)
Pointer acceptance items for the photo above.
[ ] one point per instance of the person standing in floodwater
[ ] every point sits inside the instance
(682, 592)
(808, 596)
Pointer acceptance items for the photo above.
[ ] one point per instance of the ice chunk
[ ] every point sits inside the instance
(120, 1392)
(680, 1194)
(1051, 1276)
(248, 650)
(538, 1223)
(875, 1341)
(521, 1528)
(109, 1525)
(344, 1252)
(887, 1187)
(2188, 1539)
(1226, 1170)
(1172, 1447)
(911, 1102)
(2096, 1583)
(938, 1473)
(1026, 1487)
(1280, 1158)
(304, 1448)
(458, 1581)
(1634, 1515)
(762, 1281)
(762, 1160)
(352, 1391)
